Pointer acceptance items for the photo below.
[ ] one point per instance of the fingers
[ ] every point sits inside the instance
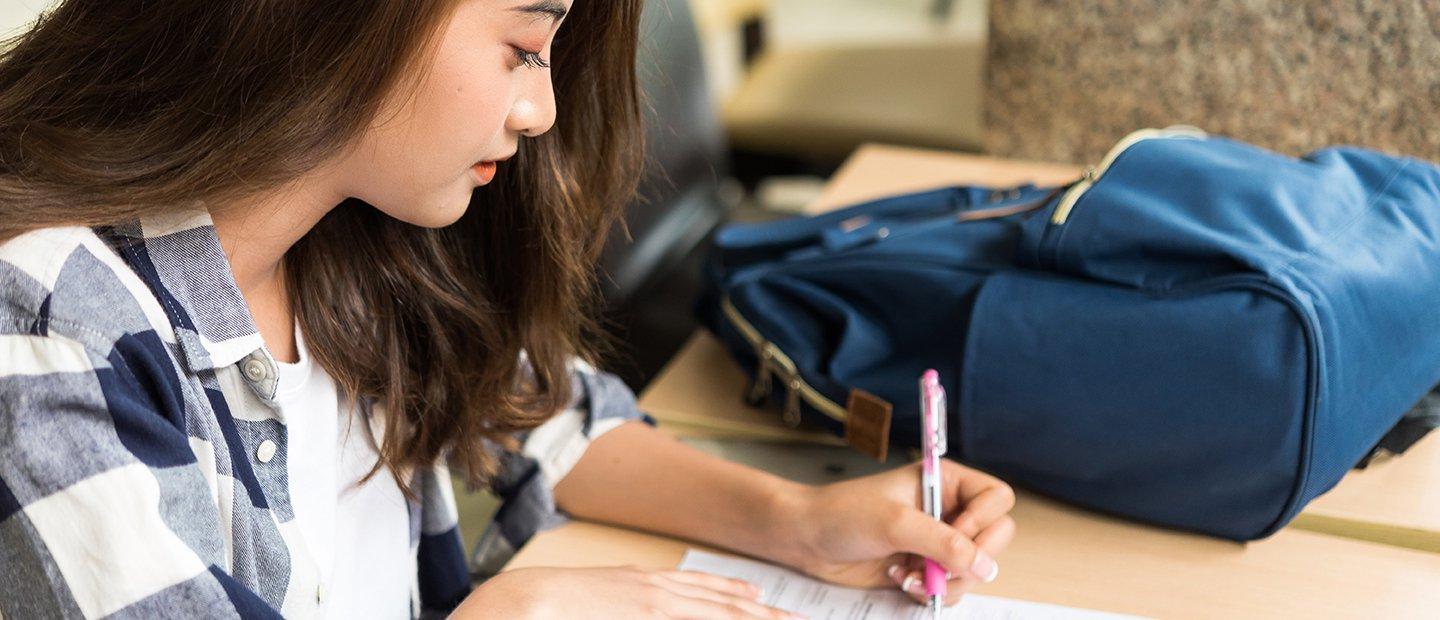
(698, 602)
(915, 532)
(692, 608)
(983, 510)
(708, 596)
(733, 587)
(995, 538)
(909, 576)
(964, 485)
(992, 540)
(956, 589)
(912, 583)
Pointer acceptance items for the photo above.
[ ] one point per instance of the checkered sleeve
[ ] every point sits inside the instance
(600, 402)
(526, 484)
(103, 508)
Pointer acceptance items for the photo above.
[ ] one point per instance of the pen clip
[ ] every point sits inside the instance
(932, 412)
(940, 422)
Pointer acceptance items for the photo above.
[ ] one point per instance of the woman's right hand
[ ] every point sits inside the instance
(615, 593)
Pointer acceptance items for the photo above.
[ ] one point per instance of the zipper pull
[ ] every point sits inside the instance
(761, 386)
(791, 416)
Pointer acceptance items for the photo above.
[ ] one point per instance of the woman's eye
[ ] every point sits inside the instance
(531, 59)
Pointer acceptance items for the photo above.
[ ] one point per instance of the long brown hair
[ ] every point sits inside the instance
(113, 109)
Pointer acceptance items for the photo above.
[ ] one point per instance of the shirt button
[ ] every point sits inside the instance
(254, 369)
(266, 451)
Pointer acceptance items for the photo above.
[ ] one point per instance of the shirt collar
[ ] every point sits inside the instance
(179, 257)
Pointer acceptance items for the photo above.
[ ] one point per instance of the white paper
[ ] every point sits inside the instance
(814, 599)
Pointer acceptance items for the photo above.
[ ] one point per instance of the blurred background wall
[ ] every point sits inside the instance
(1067, 78)
(818, 77)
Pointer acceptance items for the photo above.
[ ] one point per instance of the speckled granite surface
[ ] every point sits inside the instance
(1068, 78)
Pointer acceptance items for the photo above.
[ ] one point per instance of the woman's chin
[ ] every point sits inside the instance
(435, 215)
(444, 216)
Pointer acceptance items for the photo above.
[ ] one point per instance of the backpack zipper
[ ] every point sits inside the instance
(1092, 175)
(772, 363)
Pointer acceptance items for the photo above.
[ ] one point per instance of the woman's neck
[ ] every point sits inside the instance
(255, 234)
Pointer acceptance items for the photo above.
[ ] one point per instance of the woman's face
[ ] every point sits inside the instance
(487, 86)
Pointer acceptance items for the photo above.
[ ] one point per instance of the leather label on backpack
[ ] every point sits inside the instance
(867, 423)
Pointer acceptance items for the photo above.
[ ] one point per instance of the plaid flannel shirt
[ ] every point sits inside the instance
(135, 396)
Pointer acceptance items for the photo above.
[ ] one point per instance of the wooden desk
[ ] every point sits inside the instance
(876, 171)
(1072, 558)
(1395, 502)
(697, 394)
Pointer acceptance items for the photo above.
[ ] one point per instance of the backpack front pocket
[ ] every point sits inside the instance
(1186, 409)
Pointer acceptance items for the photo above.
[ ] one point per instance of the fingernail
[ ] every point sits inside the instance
(984, 567)
(911, 584)
(893, 572)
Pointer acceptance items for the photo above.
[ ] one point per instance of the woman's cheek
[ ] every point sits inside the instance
(481, 108)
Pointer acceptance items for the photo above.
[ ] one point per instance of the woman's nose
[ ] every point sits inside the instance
(534, 112)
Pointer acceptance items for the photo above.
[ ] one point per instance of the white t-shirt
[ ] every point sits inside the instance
(360, 536)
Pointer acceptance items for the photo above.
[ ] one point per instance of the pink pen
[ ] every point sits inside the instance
(932, 414)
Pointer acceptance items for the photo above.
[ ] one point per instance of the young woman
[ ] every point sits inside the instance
(267, 267)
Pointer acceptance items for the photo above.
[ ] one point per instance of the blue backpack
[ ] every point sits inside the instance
(1198, 333)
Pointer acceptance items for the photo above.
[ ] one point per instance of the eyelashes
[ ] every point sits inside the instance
(531, 59)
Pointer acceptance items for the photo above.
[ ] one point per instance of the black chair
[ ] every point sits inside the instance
(649, 279)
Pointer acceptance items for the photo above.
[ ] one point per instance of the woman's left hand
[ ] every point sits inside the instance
(871, 531)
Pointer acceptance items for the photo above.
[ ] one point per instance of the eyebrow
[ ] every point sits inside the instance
(552, 9)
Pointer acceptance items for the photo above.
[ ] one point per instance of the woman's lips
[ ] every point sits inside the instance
(484, 172)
